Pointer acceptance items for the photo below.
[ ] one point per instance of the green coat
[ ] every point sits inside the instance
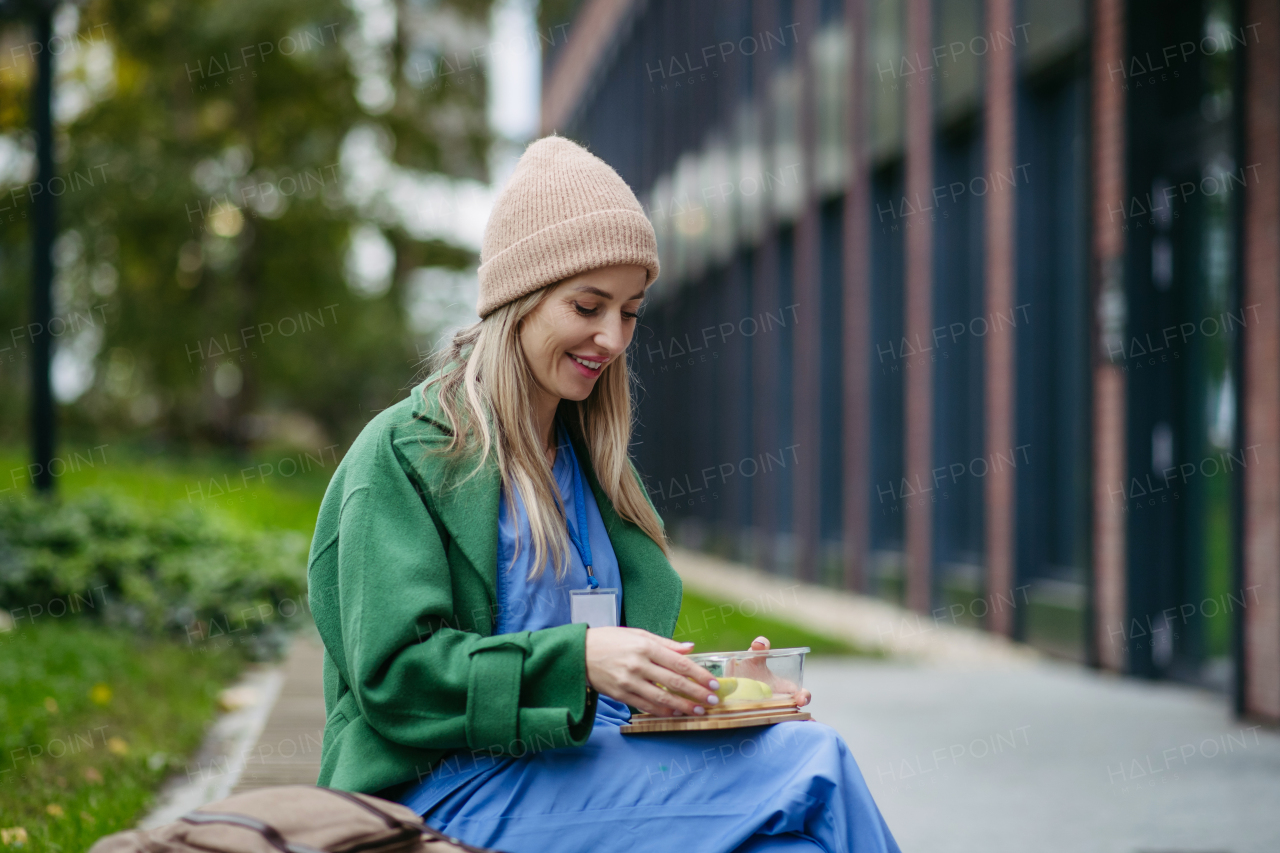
(402, 582)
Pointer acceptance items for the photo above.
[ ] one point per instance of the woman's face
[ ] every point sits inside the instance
(584, 323)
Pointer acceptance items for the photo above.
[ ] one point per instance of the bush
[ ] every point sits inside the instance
(178, 572)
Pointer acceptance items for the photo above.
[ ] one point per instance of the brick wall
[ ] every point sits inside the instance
(1262, 366)
(918, 377)
(1108, 168)
(1000, 296)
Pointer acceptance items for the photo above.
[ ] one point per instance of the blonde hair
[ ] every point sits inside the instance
(486, 395)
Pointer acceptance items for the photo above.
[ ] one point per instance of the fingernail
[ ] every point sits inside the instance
(759, 640)
(678, 714)
(714, 685)
(698, 709)
(687, 643)
(713, 699)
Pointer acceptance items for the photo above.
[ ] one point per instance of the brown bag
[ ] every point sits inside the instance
(290, 819)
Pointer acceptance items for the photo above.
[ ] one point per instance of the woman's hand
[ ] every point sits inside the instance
(757, 668)
(628, 664)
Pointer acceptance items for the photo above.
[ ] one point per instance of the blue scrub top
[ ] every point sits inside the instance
(531, 605)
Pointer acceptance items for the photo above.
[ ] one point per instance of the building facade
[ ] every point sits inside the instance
(973, 305)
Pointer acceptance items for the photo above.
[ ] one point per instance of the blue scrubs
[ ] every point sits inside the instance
(789, 787)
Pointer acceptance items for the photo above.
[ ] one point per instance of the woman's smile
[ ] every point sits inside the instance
(589, 366)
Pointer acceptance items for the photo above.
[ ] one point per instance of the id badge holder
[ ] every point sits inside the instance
(597, 607)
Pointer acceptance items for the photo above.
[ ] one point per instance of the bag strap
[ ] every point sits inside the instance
(273, 837)
(430, 833)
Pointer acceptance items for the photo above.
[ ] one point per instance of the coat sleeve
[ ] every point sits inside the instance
(419, 680)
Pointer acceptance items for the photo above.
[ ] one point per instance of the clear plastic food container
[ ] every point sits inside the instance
(751, 680)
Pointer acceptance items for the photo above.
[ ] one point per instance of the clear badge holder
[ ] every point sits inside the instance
(597, 607)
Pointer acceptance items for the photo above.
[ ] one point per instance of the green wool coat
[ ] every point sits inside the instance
(402, 582)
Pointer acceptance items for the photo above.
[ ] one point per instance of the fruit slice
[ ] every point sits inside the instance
(740, 690)
(727, 687)
(750, 690)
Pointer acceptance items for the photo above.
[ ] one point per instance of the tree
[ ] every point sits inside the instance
(208, 152)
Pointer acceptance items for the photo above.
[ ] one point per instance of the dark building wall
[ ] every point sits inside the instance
(891, 346)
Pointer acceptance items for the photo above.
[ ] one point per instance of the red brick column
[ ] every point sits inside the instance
(807, 413)
(1261, 298)
(593, 29)
(918, 375)
(857, 316)
(1109, 518)
(1001, 283)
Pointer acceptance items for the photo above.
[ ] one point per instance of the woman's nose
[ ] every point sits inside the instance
(612, 335)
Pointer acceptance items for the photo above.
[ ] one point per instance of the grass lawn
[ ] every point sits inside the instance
(718, 627)
(94, 719)
(272, 490)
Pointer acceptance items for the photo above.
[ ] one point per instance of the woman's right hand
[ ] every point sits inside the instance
(628, 664)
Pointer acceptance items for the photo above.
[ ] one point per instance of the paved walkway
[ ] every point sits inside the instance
(288, 749)
(270, 734)
(1052, 759)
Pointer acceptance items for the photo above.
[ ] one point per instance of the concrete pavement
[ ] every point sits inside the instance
(1052, 759)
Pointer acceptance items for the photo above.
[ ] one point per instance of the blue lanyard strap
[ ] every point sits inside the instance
(582, 537)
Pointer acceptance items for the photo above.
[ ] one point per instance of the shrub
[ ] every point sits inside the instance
(180, 572)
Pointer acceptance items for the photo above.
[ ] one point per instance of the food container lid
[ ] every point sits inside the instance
(771, 653)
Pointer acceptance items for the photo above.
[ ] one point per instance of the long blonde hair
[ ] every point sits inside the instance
(486, 394)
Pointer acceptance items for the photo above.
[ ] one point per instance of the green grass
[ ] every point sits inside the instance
(280, 489)
(94, 719)
(716, 626)
(72, 769)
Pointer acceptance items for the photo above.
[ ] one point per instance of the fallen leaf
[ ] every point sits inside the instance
(61, 781)
(55, 810)
(87, 818)
(100, 694)
(92, 775)
(117, 746)
(51, 704)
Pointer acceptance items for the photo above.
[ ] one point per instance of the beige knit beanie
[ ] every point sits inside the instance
(563, 212)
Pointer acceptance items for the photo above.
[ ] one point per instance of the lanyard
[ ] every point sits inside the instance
(582, 538)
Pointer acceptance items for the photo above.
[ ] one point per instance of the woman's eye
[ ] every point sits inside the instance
(583, 310)
(629, 315)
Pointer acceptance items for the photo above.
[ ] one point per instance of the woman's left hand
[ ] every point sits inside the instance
(761, 644)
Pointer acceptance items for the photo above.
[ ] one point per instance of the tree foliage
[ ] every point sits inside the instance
(210, 207)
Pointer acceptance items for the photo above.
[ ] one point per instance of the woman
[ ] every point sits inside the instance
(450, 544)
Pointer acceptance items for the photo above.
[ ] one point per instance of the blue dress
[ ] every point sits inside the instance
(788, 787)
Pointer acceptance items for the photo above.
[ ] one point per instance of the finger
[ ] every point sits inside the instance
(685, 701)
(683, 648)
(637, 701)
(666, 659)
(760, 644)
(666, 700)
(684, 687)
(802, 698)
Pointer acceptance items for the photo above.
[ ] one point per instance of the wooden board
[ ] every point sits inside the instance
(743, 707)
(647, 724)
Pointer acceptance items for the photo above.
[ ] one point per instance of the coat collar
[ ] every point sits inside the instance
(470, 513)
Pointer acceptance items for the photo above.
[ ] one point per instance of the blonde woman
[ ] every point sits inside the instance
(493, 588)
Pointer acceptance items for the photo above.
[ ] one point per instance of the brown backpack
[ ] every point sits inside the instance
(290, 819)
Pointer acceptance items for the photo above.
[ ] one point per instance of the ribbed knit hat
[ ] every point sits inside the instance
(564, 211)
